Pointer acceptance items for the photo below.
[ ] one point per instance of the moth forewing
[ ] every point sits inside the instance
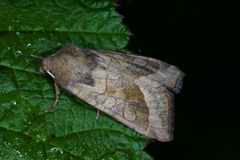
(135, 90)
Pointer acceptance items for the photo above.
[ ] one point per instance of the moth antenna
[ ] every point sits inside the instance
(50, 74)
(36, 56)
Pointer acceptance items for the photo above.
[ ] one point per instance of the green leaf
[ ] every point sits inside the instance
(70, 131)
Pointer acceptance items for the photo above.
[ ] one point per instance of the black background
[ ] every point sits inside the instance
(200, 38)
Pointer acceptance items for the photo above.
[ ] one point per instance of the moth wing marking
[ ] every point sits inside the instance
(146, 72)
(147, 112)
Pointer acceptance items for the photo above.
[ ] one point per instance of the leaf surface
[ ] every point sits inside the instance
(70, 131)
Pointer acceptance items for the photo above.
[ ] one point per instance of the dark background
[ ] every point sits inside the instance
(200, 38)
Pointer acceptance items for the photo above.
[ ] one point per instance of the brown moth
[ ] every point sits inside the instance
(135, 90)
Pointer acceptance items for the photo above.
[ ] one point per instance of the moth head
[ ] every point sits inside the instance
(46, 67)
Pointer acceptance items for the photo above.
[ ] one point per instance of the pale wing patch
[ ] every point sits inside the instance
(160, 114)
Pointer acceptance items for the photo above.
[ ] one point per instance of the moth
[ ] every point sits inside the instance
(135, 90)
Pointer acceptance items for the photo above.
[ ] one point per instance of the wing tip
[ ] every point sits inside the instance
(179, 83)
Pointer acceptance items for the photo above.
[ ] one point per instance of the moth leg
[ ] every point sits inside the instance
(98, 111)
(57, 90)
